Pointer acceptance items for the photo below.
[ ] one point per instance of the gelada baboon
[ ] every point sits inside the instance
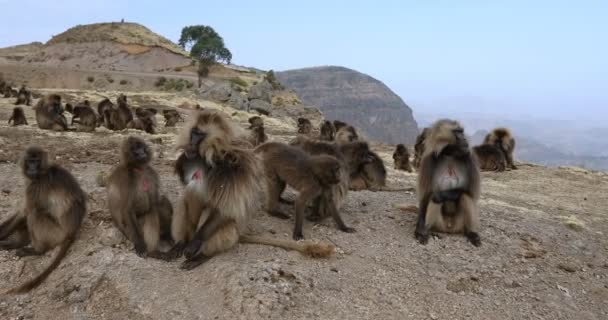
(346, 133)
(24, 96)
(419, 147)
(49, 113)
(304, 126)
(339, 124)
(448, 184)
(18, 117)
(172, 117)
(490, 158)
(84, 117)
(257, 136)
(311, 176)
(143, 121)
(352, 157)
(123, 115)
(54, 207)
(328, 131)
(138, 208)
(255, 121)
(102, 106)
(222, 189)
(401, 157)
(503, 139)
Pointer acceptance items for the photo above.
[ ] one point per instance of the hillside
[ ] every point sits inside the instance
(356, 98)
(102, 46)
(543, 254)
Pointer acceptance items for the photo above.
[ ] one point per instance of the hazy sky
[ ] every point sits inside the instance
(543, 58)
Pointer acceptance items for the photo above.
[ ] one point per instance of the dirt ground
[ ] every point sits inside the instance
(544, 251)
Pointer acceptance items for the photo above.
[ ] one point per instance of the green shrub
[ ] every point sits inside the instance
(160, 81)
(177, 69)
(239, 82)
(123, 82)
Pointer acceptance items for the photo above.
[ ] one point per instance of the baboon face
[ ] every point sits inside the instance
(401, 149)
(135, 150)
(196, 137)
(34, 163)
(447, 134)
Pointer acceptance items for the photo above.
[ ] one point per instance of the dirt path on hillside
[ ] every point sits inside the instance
(544, 252)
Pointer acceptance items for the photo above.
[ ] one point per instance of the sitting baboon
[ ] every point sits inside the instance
(144, 121)
(84, 116)
(18, 117)
(24, 96)
(503, 139)
(304, 126)
(490, 158)
(401, 156)
(49, 113)
(172, 117)
(419, 147)
(346, 133)
(328, 131)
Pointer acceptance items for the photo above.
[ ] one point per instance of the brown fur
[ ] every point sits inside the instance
(136, 204)
(503, 139)
(255, 121)
(448, 184)
(328, 131)
(54, 208)
(144, 121)
(221, 189)
(401, 157)
(18, 117)
(490, 158)
(172, 117)
(339, 124)
(85, 118)
(257, 136)
(346, 133)
(49, 114)
(304, 126)
(311, 176)
(102, 106)
(24, 96)
(419, 147)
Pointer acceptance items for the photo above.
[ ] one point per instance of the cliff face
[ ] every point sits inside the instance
(356, 98)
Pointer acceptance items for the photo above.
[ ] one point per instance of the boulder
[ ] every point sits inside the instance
(261, 91)
(260, 106)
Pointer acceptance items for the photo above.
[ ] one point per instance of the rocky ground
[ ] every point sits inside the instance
(544, 252)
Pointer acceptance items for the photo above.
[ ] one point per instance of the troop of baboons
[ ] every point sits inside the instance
(227, 172)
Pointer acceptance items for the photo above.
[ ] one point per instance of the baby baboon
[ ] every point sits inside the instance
(328, 131)
(49, 113)
(371, 175)
(490, 158)
(54, 207)
(24, 96)
(255, 121)
(124, 114)
(448, 184)
(18, 117)
(221, 189)
(401, 156)
(138, 208)
(503, 139)
(85, 118)
(419, 147)
(311, 176)
(304, 126)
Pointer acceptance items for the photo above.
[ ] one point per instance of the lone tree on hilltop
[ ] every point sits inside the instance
(205, 45)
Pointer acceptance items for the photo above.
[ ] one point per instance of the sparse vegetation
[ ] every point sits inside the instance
(177, 69)
(160, 81)
(90, 79)
(123, 82)
(171, 84)
(272, 79)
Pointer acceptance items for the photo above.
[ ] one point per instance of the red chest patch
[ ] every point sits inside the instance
(145, 184)
(197, 175)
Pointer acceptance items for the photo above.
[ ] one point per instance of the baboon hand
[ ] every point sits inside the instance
(140, 250)
(192, 248)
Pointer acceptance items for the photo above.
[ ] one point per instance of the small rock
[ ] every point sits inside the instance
(6, 191)
(433, 316)
(334, 269)
(564, 290)
(567, 267)
(111, 237)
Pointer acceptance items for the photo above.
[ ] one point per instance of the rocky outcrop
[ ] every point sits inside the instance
(356, 98)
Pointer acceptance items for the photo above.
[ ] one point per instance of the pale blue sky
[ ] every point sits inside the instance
(543, 58)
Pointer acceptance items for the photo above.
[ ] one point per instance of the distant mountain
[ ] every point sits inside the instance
(356, 98)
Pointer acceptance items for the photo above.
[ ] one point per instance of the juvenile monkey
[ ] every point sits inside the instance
(401, 157)
(102, 106)
(221, 190)
(123, 113)
(490, 158)
(18, 117)
(51, 217)
(328, 131)
(24, 96)
(255, 121)
(49, 113)
(172, 117)
(257, 136)
(503, 139)
(144, 121)
(448, 184)
(311, 176)
(138, 208)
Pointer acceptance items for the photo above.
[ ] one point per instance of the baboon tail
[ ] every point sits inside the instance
(36, 281)
(314, 250)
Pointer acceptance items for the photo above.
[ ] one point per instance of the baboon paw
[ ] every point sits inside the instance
(474, 239)
(423, 238)
(192, 248)
(141, 251)
(298, 236)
